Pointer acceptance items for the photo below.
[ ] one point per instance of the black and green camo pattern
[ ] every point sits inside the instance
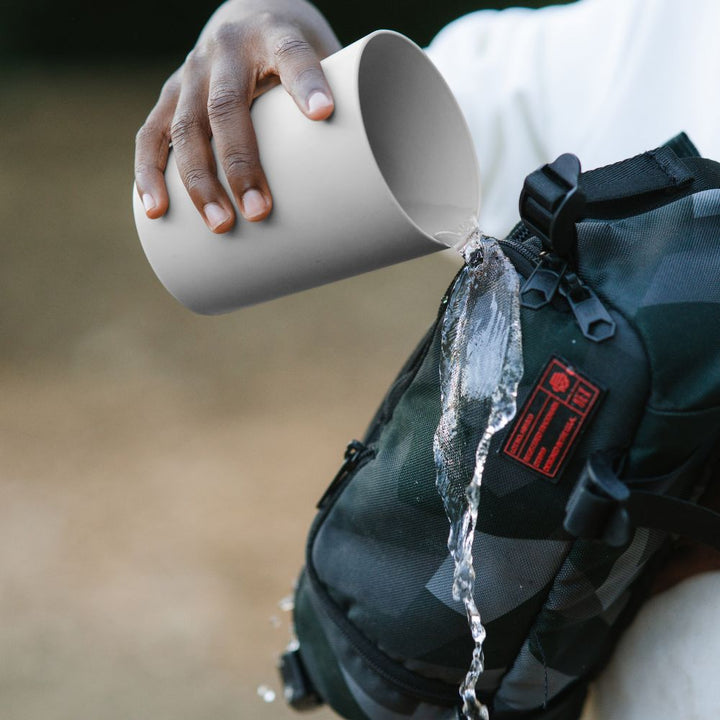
(380, 634)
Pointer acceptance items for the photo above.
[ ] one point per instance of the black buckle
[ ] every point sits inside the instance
(597, 508)
(298, 690)
(551, 202)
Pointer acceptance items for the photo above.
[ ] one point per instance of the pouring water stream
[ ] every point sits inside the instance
(480, 368)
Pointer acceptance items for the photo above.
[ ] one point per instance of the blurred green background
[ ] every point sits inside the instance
(158, 470)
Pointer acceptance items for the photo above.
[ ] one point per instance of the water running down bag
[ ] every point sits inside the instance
(614, 439)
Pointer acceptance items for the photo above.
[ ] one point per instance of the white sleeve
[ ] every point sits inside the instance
(587, 78)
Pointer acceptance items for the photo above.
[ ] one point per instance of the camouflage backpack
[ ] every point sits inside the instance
(618, 418)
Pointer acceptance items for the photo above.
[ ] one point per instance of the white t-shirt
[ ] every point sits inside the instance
(604, 79)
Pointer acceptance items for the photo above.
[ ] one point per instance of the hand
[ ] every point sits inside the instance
(247, 47)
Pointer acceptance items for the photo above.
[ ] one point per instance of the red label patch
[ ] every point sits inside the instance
(549, 424)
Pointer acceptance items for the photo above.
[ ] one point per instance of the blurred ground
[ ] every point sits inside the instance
(158, 470)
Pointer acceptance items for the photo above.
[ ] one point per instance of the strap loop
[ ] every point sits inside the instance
(603, 507)
(597, 506)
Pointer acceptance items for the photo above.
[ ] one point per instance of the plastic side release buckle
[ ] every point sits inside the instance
(298, 690)
(597, 508)
(551, 202)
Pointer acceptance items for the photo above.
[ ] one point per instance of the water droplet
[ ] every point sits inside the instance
(275, 621)
(266, 693)
(287, 604)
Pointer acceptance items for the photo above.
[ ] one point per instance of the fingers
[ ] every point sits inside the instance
(210, 96)
(151, 150)
(228, 109)
(298, 66)
(190, 133)
(230, 95)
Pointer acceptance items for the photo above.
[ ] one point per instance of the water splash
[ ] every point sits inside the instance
(480, 368)
(287, 604)
(459, 238)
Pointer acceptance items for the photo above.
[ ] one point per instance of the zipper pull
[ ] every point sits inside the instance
(540, 288)
(594, 320)
(354, 452)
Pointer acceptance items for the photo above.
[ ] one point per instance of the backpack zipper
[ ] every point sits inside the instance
(595, 321)
(547, 276)
(356, 454)
(544, 282)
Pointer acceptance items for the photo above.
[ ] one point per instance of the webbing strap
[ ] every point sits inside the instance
(558, 195)
(603, 506)
(679, 517)
(657, 171)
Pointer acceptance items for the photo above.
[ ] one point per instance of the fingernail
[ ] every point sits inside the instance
(318, 101)
(216, 215)
(148, 202)
(253, 204)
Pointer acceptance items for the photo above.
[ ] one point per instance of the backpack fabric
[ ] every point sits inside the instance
(617, 424)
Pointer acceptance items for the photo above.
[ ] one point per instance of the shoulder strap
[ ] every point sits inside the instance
(558, 195)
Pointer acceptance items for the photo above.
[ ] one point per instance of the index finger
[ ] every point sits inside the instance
(298, 66)
(152, 144)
